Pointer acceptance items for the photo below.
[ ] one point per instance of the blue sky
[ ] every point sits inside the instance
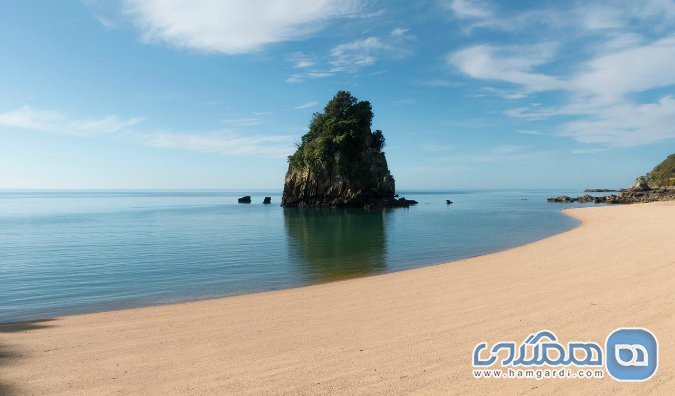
(214, 93)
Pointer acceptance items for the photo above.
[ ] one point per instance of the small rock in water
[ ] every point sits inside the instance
(563, 199)
(267, 200)
(245, 199)
(448, 202)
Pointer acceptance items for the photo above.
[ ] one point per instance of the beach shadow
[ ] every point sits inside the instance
(26, 326)
(6, 390)
(332, 244)
(9, 354)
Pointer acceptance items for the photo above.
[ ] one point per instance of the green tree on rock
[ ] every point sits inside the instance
(339, 158)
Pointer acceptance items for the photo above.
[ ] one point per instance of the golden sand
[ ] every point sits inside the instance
(410, 331)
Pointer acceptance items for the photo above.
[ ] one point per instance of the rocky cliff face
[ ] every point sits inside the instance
(339, 162)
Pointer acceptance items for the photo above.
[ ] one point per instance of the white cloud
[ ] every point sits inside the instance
(105, 125)
(227, 142)
(600, 17)
(348, 57)
(529, 132)
(356, 54)
(220, 142)
(469, 9)
(532, 112)
(579, 18)
(605, 94)
(231, 26)
(399, 32)
(51, 121)
(306, 105)
(625, 124)
(300, 77)
(601, 93)
(27, 117)
(611, 76)
(511, 64)
(301, 60)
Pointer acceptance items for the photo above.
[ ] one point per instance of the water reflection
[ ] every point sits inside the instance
(330, 244)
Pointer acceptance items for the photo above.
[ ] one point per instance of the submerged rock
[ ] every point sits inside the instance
(244, 199)
(339, 161)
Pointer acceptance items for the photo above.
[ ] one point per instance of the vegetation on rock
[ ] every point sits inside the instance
(657, 185)
(663, 174)
(339, 161)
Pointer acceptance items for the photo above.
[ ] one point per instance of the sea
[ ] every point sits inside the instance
(70, 252)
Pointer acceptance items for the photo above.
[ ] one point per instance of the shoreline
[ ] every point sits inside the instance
(125, 305)
(401, 331)
(301, 286)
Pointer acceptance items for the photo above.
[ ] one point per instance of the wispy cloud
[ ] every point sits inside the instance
(219, 142)
(300, 60)
(300, 77)
(355, 54)
(51, 121)
(469, 9)
(512, 64)
(306, 105)
(351, 56)
(601, 103)
(529, 132)
(601, 92)
(402, 34)
(233, 27)
(228, 142)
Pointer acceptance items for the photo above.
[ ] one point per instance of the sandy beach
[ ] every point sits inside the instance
(406, 332)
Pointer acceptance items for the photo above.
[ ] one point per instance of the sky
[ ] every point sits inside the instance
(191, 94)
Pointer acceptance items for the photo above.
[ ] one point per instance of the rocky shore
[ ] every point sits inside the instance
(602, 190)
(657, 185)
(630, 196)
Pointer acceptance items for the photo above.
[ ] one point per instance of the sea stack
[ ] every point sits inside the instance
(339, 161)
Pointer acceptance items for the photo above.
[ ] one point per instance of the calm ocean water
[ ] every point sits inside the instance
(66, 252)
